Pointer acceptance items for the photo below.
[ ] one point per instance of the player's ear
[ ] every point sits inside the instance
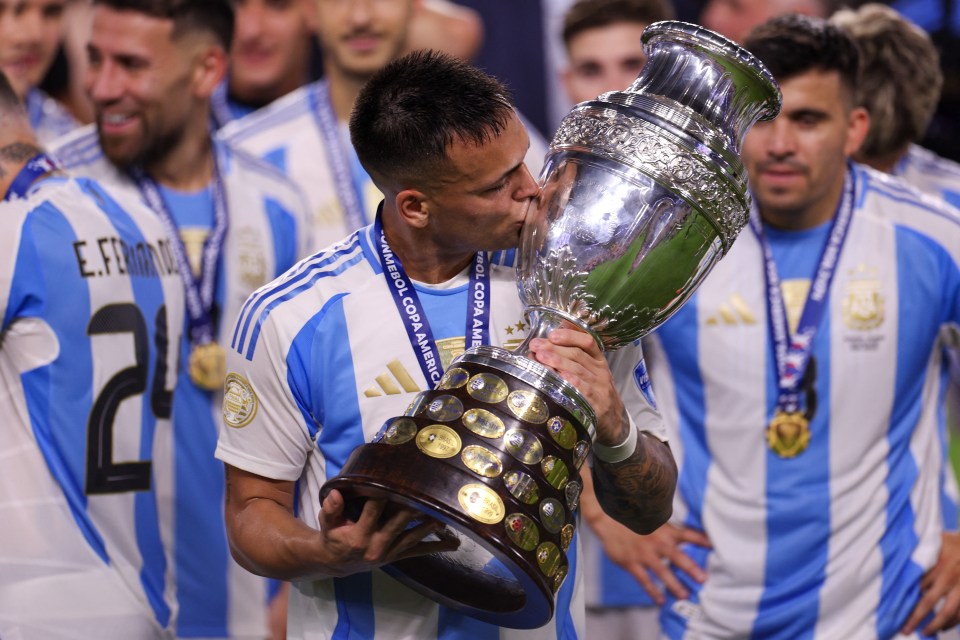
(413, 207)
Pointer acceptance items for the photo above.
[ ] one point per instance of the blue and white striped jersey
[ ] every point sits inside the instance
(92, 314)
(930, 173)
(48, 118)
(319, 360)
(267, 234)
(287, 134)
(831, 543)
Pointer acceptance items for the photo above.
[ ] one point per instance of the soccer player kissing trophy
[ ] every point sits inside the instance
(642, 193)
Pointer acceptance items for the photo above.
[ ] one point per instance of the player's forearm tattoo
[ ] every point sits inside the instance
(638, 492)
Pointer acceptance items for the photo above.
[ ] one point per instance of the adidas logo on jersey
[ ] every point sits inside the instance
(733, 313)
(395, 381)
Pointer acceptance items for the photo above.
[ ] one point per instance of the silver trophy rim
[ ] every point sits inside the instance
(699, 37)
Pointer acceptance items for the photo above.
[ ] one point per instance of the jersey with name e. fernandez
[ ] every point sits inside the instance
(930, 173)
(288, 133)
(92, 313)
(266, 235)
(831, 543)
(319, 360)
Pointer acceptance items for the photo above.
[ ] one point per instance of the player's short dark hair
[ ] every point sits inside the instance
(411, 111)
(791, 45)
(213, 16)
(594, 14)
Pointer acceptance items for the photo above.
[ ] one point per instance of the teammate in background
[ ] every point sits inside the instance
(92, 310)
(602, 41)
(273, 52)
(443, 141)
(305, 133)
(445, 26)
(30, 32)
(804, 381)
(270, 56)
(900, 89)
(736, 18)
(234, 222)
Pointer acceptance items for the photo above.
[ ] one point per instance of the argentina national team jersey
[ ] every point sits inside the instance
(319, 360)
(92, 313)
(48, 118)
(833, 542)
(267, 233)
(930, 173)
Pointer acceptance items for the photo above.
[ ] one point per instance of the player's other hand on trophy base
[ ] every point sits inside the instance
(383, 533)
(577, 358)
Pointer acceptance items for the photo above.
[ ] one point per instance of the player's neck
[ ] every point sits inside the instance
(432, 268)
(188, 166)
(262, 95)
(421, 258)
(885, 162)
(344, 89)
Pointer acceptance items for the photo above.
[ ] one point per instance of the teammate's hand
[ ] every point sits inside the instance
(658, 553)
(939, 591)
(381, 535)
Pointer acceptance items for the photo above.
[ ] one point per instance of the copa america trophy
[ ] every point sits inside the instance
(643, 192)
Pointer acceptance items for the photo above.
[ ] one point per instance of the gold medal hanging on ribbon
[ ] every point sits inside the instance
(788, 434)
(208, 366)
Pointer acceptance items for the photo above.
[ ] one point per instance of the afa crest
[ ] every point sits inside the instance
(863, 306)
(251, 263)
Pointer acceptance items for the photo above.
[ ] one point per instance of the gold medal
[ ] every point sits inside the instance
(208, 366)
(788, 433)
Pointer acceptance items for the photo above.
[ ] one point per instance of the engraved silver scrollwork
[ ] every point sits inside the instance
(639, 144)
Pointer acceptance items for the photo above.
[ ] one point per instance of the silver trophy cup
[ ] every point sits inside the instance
(643, 192)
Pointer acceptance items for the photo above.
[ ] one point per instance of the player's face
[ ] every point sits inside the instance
(359, 37)
(735, 18)
(271, 48)
(483, 197)
(142, 84)
(796, 162)
(603, 59)
(30, 33)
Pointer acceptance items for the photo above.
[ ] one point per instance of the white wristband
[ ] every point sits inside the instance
(620, 452)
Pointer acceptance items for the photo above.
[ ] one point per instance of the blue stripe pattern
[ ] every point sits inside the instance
(900, 576)
(682, 336)
(798, 524)
(63, 449)
(563, 618)
(80, 151)
(266, 299)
